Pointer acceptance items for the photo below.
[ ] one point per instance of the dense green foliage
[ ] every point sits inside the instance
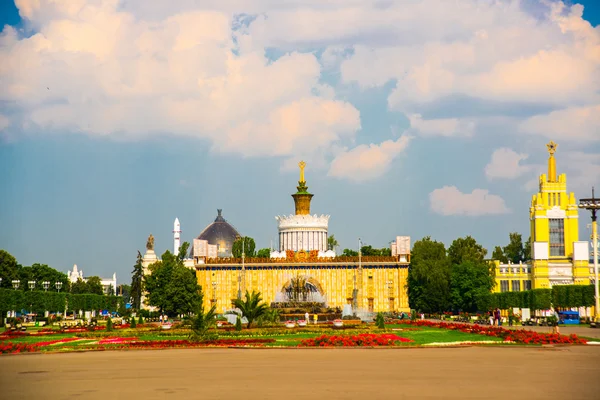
(172, 287)
(251, 306)
(429, 277)
(379, 321)
(247, 244)
(40, 301)
(332, 242)
(137, 276)
(562, 296)
(263, 253)
(238, 323)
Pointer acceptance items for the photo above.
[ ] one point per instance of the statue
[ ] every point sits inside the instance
(150, 243)
(302, 164)
(551, 147)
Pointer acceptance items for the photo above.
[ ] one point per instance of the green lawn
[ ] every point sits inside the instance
(282, 336)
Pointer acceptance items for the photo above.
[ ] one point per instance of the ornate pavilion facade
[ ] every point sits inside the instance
(557, 255)
(366, 283)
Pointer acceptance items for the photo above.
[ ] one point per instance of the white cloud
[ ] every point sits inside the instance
(506, 164)
(583, 171)
(441, 126)
(366, 162)
(92, 67)
(451, 201)
(574, 123)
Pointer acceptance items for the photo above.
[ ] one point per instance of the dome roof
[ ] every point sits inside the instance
(220, 233)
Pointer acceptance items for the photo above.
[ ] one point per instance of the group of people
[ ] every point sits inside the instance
(495, 317)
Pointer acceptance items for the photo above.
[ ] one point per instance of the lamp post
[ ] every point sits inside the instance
(31, 285)
(593, 205)
(15, 284)
(58, 286)
(243, 265)
(46, 284)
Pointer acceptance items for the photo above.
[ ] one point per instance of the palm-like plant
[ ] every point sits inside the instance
(251, 306)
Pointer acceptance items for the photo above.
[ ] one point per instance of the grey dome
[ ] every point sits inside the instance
(220, 233)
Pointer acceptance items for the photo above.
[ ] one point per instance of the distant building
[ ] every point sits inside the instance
(109, 285)
(557, 255)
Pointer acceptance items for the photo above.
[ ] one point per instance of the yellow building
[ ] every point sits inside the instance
(366, 283)
(558, 257)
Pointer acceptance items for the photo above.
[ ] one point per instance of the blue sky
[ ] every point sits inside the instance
(414, 118)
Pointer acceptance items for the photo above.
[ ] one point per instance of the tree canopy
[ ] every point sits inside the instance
(332, 243)
(514, 251)
(137, 277)
(246, 244)
(429, 276)
(251, 306)
(263, 253)
(172, 287)
(466, 249)
(471, 283)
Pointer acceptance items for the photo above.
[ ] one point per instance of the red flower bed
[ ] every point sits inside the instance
(16, 347)
(508, 335)
(361, 340)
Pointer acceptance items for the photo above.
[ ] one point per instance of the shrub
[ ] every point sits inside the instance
(238, 324)
(140, 320)
(109, 325)
(379, 321)
(132, 324)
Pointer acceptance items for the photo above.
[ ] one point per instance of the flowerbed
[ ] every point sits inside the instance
(508, 335)
(361, 340)
(133, 343)
(16, 347)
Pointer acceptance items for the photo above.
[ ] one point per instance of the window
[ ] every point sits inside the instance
(557, 237)
(527, 285)
(504, 286)
(516, 286)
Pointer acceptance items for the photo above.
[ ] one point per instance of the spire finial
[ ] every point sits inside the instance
(552, 148)
(302, 165)
(551, 161)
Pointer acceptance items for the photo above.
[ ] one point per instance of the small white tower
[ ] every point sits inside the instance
(176, 236)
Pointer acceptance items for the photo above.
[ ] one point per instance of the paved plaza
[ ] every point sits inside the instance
(553, 372)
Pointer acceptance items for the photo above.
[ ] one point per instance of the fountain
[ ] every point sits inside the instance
(302, 295)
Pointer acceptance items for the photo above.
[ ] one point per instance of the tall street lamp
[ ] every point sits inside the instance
(46, 284)
(58, 286)
(15, 284)
(31, 285)
(593, 205)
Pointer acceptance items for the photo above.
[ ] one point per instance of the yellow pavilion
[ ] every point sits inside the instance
(557, 255)
(366, 283)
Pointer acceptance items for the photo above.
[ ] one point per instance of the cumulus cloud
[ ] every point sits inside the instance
(94, 67)
(366, 162)
(573, 123)
(451, 201)
(506, 164)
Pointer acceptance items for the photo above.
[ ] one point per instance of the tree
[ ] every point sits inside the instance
(466, 249)
(137, 282)
(527, 250)
(263, 253)
(9, 269)
(94, 285)
(471, 283)
(332, 243)
(203, 320)
(349, 253)
(368, 250)
(429, 277)
(124, 291)
(251, 306)
(514, 251)
(171, 286)
(498, 254)
(248, 246)
(79, 287)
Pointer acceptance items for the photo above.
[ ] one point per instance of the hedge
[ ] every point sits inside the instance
(39, 301)
(562, 296)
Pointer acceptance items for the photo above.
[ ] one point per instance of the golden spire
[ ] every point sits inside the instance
(551, 161)
(302, 165)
